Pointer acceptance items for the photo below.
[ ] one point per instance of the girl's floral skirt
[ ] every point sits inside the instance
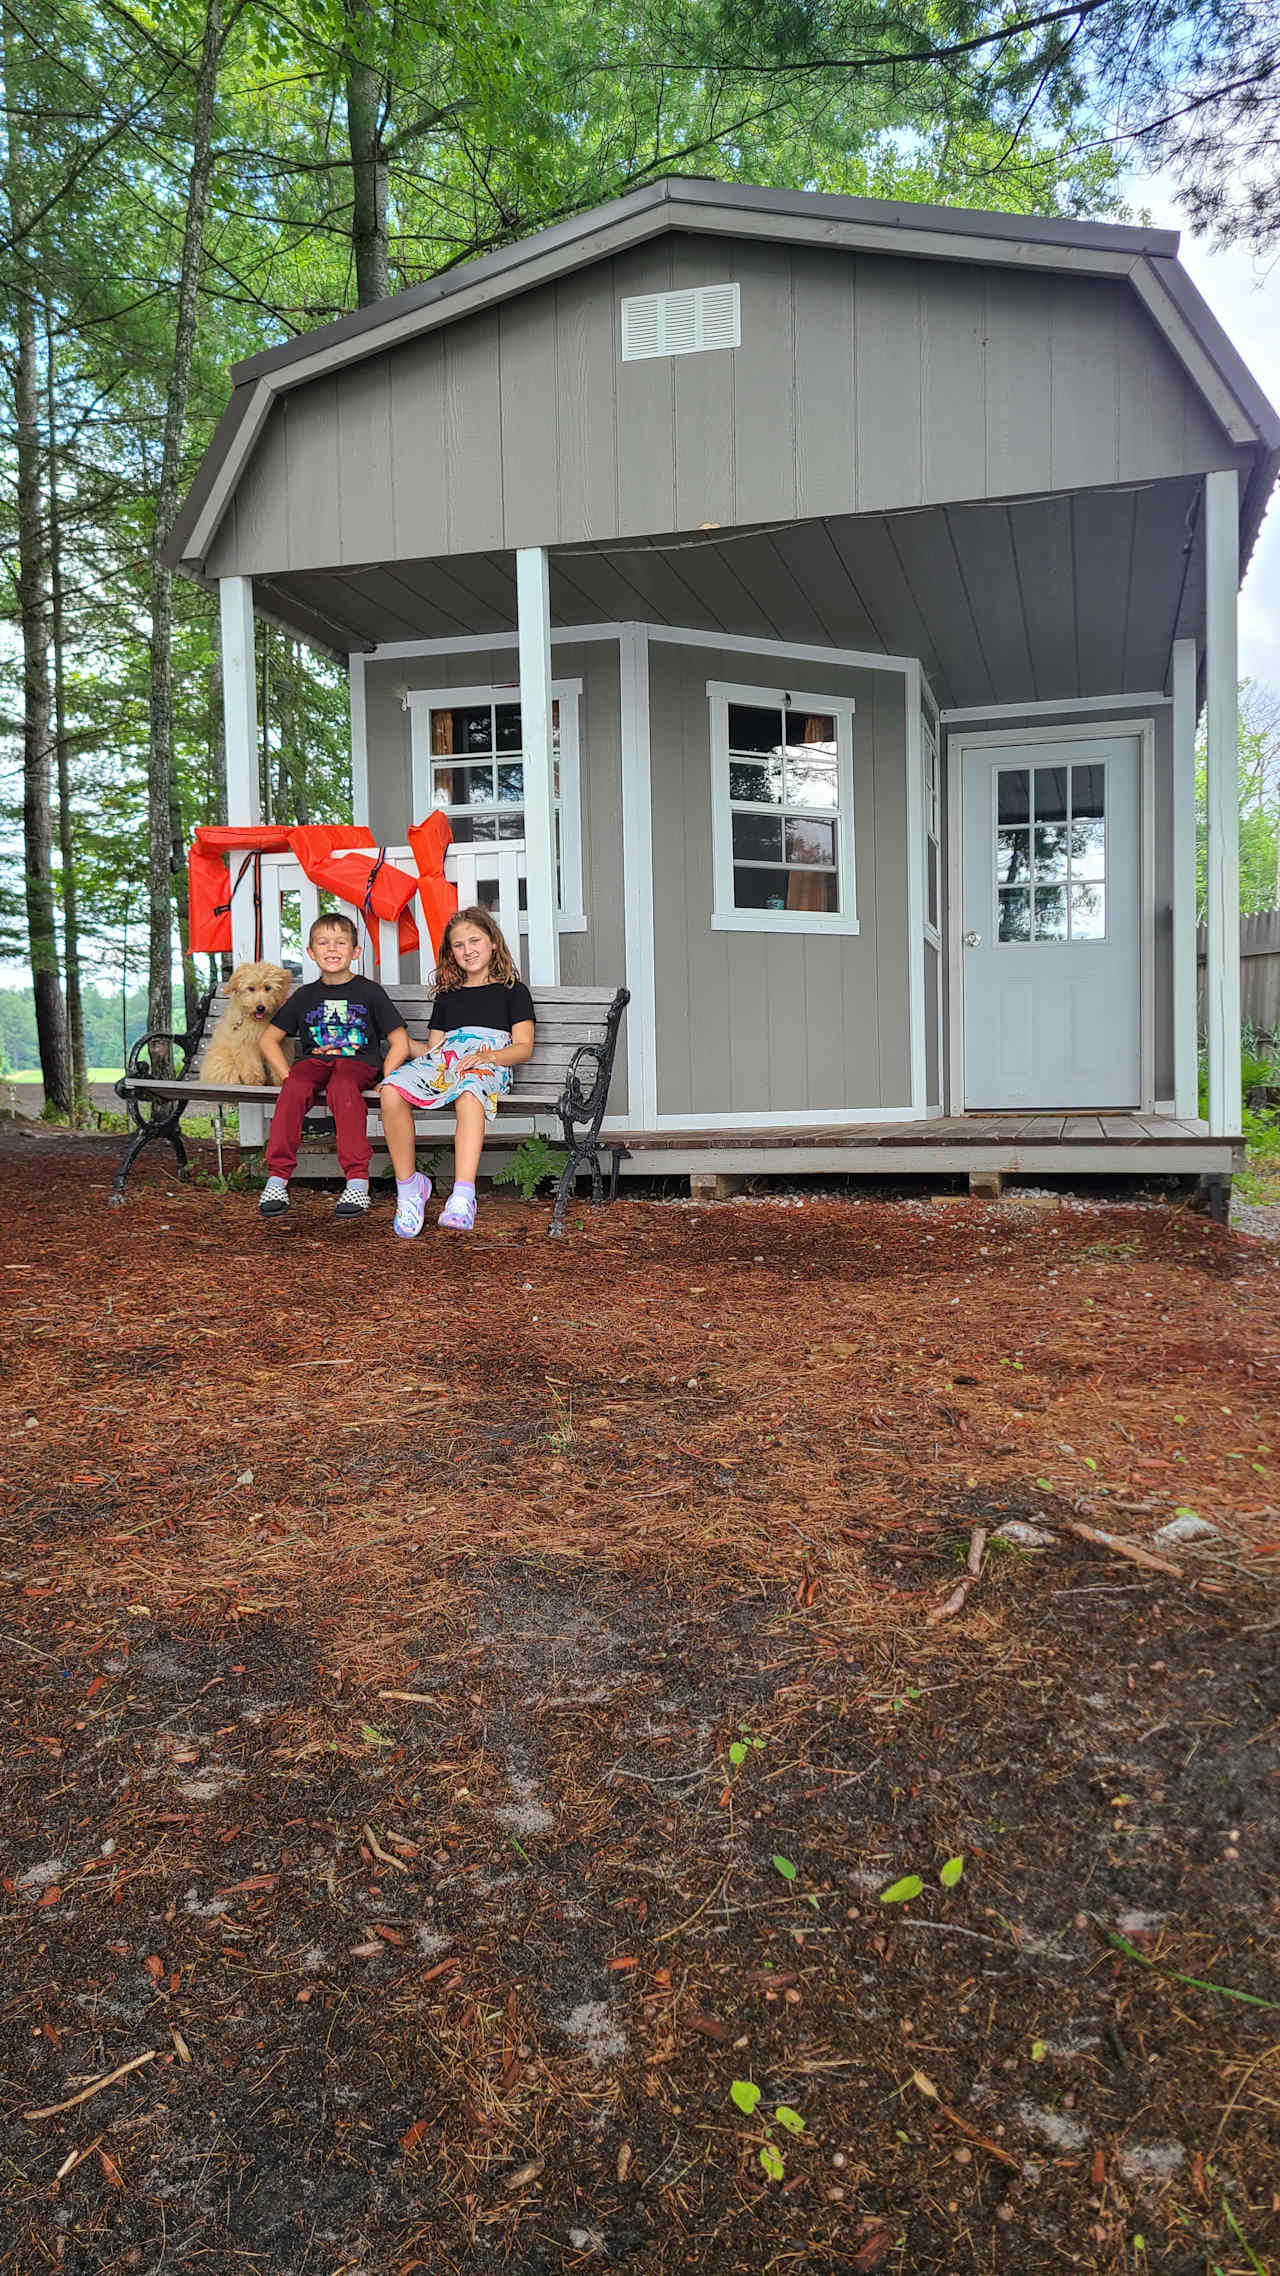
(433, 1080)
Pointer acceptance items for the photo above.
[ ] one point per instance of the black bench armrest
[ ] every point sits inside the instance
(187, 1039)
(586, 1090)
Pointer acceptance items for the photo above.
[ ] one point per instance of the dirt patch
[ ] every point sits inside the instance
(457, 1742)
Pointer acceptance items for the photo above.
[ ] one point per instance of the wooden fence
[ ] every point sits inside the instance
(1259, 971)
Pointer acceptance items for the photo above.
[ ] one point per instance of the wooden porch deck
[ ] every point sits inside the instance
(1017, 1145)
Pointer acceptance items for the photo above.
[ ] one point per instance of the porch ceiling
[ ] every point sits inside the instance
(1003, 602)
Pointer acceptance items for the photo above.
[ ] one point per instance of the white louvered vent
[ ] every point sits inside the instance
(681, 323)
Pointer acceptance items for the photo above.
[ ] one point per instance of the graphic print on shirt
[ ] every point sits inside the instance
(340, 1029)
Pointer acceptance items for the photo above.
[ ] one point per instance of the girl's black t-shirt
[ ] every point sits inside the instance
(493, 1005)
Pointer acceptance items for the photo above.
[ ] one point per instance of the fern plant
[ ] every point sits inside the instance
(532, 1164)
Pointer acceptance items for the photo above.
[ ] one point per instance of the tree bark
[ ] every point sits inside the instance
(33, 603)
(161, 799)
(66, 829)
(368, 164)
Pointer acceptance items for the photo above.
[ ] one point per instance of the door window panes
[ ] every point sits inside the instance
(1051, 853)
(783, 759)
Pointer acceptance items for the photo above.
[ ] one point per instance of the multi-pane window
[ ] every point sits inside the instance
(783, 823)
(1051, 853)
(477, 770)
(468, 762)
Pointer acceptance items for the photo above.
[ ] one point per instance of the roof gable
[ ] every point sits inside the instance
(427, 424)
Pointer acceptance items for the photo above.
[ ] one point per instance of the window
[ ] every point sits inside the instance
(782, 808)
(932, 830)
(468, 762)
(1051, 853)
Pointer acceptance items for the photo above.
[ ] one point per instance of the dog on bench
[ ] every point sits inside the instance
(255, 993)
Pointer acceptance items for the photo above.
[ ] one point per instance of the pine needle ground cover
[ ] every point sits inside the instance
(537, 1757)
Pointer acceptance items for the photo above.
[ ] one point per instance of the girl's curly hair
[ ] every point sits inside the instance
(449, 973)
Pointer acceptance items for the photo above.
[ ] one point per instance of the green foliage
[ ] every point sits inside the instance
(1259, 788)
(533, 1163)
(950, 1873)
(901, 1892)
(745, 2096)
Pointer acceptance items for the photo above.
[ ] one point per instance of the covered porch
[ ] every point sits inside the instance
(1034, 615)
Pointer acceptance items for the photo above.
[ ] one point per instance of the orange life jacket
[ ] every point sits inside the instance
(323, 852)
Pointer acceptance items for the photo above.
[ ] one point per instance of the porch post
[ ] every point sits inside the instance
(1222, 863)
(1185, 1103)
(359, 741)
(533, 613)
(240, 699)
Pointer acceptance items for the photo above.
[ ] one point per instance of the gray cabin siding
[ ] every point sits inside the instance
(865, 382)
(596, 958)
(760, 1022)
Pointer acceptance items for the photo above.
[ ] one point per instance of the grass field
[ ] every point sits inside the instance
(32, 1075)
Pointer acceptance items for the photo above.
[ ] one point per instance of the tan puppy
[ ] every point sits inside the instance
(234, 1055)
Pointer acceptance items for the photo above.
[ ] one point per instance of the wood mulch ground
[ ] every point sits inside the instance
(466, 1703)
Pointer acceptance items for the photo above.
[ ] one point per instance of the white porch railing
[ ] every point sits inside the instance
(469, 867)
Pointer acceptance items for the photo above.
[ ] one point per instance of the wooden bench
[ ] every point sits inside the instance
(569, 1075)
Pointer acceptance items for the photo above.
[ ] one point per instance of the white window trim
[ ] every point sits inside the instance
(724, 916)
(931, 796)
(421, 702)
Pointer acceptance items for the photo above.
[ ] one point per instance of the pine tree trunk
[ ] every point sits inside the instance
(160, 789)
(33, 603)
(66, 830)
(368, 165)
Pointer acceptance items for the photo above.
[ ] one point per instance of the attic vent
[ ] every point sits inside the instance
(681, 323)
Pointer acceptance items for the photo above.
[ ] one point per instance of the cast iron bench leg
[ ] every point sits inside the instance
(147, 1136)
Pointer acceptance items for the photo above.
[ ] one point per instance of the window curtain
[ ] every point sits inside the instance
(807, 888)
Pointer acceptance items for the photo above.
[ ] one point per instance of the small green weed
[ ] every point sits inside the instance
(534, 1162)
(745, 2096)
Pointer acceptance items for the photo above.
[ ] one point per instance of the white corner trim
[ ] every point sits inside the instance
(1147, 914)
(915, 893)
(1185, 1072)
(1222, 803)
(974, 713)
(637, 878)
(359, 739)
(239, 701)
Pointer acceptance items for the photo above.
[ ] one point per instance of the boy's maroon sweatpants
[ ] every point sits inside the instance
(309, 1079)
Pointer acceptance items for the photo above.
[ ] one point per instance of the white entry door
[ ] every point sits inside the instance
(1051, 965)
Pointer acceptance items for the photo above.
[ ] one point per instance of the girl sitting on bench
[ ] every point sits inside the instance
(481, 1028)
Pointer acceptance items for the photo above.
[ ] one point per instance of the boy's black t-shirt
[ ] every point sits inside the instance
(340, 1019)
(493, 1005)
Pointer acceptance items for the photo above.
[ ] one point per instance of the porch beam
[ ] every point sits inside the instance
(1222, 818)
(239, 699)
(1185, 1086)
(359, 740)
(533, 613)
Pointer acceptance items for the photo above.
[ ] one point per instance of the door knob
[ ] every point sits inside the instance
(973, 940)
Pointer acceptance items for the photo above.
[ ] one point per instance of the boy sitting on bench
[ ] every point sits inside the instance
(347, 1031)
